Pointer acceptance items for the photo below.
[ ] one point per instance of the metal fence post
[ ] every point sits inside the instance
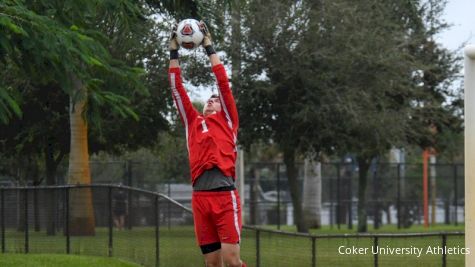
(455, 194)
(331, 201)
(398, 196)
(375, 196)
(350, 202)
(2, 217)
(27, 237)
(338, 197)
(130, 197)
(314, 251)
(278, 196)
(66, 222)
(444, 255)
(157, 232)
(258, 252)
(128, 168)
(375, 245)
(169, 212)
(110, 221)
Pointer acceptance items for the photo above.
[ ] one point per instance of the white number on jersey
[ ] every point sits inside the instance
(205, 128)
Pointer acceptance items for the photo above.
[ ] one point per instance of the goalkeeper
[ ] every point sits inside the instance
(211, 142)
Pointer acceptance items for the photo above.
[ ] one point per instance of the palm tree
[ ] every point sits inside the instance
(82, 212)
(75, 55)
(74, 50)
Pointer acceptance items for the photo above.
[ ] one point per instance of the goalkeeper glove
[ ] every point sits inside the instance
(173, 44)
(207, 43)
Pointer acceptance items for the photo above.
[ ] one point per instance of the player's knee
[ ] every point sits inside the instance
(213, 263)
(233, 262)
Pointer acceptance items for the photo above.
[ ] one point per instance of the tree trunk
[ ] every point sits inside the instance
(20, 194)
(81, 207)
(388, 214)
(289, 161)
(376, 199)
(23, 175)
(51, 164)
(341, 187)
(312, 192)
(36, 204)
(363, 164)
(236, 45)
(255, 197)
(447, 210)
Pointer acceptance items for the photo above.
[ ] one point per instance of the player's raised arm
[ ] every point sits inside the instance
(182, 101)
(225, 94)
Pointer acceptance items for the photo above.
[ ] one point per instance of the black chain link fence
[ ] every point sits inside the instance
(280, 249)
(101, 220)
(153, 230)
(394, 192)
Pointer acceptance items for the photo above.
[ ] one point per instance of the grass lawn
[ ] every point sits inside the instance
(392, 228)
(53, 260)
(296, 251)
(178, 247)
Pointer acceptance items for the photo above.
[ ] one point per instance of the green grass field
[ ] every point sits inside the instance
(392, 228)
(54, 260)
(178, 247)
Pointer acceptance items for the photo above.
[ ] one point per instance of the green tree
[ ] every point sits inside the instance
(22, 35)
(272, 83)
(370, 87)
(387, 104)
(334, 77)
(64, 49)
(39, 135)
(81, 63)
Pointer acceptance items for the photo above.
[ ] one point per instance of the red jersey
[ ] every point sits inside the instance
(211, 140)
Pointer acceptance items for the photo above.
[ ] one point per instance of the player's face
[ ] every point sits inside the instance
(212, 105)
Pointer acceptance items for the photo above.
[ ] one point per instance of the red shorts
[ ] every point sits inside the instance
(217, 217)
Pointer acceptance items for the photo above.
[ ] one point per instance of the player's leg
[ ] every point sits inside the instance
(229, 226)
(212, 254)
(205, 232)
(231, 255)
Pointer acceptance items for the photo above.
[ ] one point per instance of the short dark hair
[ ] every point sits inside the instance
(214, 96)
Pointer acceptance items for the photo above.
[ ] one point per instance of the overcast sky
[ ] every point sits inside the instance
(460, 14)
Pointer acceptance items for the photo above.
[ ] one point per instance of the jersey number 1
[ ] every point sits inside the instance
(205, 128)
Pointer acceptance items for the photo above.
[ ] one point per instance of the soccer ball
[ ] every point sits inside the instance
(188, 34)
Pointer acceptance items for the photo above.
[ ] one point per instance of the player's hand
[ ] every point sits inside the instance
(173, 43)
(207, 35)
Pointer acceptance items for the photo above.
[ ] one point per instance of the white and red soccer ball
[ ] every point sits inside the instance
(188, 34)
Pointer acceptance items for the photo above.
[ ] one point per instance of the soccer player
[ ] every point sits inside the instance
(211, 141)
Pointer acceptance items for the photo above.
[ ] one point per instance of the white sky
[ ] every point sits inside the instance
(460, 14)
